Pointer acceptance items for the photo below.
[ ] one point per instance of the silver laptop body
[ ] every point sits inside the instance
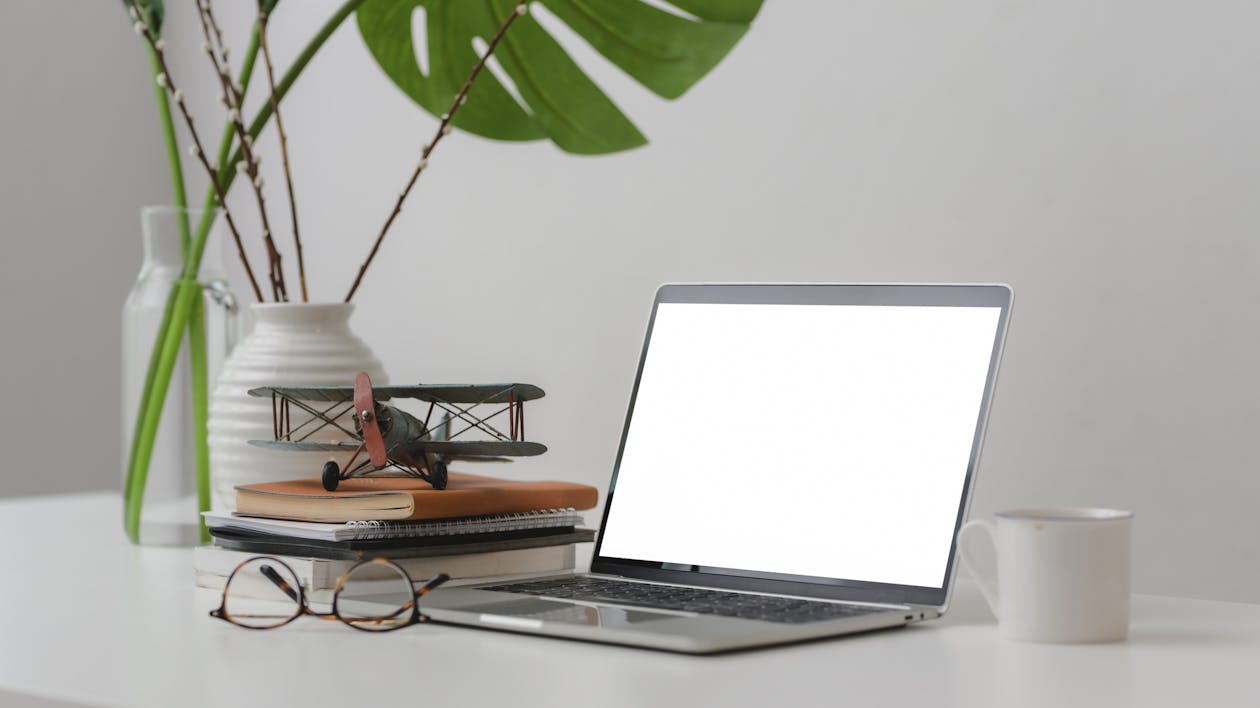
(806, 449)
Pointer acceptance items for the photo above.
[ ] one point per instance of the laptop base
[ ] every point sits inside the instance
(650, 628)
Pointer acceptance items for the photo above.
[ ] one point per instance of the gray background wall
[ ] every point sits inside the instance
(1099, 157)
(77, 157)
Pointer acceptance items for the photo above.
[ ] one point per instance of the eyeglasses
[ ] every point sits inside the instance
(375, 596)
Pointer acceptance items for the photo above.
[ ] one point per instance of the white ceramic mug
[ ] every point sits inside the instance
(1062, 574)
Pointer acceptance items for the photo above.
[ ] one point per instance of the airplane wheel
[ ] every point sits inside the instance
(438, 472)
(331, 476)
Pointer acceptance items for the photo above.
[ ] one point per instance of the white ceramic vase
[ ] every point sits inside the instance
(292, 344)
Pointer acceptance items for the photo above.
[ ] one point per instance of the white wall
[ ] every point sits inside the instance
(1100, 157)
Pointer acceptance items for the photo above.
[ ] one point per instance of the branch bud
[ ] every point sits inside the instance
(522, 9)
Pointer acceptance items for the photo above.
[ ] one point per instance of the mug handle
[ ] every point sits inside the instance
(988, 587)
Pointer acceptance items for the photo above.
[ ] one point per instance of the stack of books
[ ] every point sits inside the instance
(477, 529)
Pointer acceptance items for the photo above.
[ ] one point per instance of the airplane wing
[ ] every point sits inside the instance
(331, 394)
(305, 445)
(463, 393)
(445, 393)
(477, 448)
(453, 448)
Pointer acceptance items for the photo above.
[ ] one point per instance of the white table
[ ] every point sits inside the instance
(86, 619)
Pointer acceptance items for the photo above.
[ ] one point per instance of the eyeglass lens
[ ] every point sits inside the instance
(262, 594)
(376, 597)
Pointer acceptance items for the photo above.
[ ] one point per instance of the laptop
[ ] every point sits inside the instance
(795, 463)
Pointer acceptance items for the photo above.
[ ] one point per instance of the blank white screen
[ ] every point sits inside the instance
(818, 440)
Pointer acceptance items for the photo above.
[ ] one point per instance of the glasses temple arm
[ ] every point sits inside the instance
(271, 574)
(431, 584)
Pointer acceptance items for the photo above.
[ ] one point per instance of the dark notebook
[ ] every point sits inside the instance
(413, 547)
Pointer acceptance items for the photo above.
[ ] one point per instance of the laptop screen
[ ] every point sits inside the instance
(803, 440)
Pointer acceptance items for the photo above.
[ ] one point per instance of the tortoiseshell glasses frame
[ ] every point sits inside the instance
(269, 567)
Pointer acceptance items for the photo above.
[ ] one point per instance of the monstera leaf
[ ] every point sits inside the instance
(667, 52)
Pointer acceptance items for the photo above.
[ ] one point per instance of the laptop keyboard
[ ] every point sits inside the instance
(672, 597)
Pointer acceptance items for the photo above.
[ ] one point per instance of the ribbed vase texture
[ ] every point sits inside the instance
(292, 344)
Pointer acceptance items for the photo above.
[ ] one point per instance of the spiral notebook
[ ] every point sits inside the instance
(378, 530)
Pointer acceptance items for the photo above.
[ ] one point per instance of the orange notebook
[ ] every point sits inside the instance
(366, 498)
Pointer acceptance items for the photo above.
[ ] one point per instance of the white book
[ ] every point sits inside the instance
(212, 565)
(366, 530)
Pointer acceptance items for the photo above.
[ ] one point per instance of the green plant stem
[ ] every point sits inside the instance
(184, 295)
(138, 432)
(201, 408)
(173, 159)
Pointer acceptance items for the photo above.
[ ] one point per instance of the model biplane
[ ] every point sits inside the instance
(396, 443)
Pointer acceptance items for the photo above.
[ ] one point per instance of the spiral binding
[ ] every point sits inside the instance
(493, 523)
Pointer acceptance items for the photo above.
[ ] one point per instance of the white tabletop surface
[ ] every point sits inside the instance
(87, 619)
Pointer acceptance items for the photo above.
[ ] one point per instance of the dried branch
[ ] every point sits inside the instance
(232, 99)
(284, 145)
(443, 129)
(164, 80)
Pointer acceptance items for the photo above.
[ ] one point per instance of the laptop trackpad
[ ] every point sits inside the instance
(533, 610)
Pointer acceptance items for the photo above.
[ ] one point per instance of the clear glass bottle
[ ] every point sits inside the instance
(169, 514)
